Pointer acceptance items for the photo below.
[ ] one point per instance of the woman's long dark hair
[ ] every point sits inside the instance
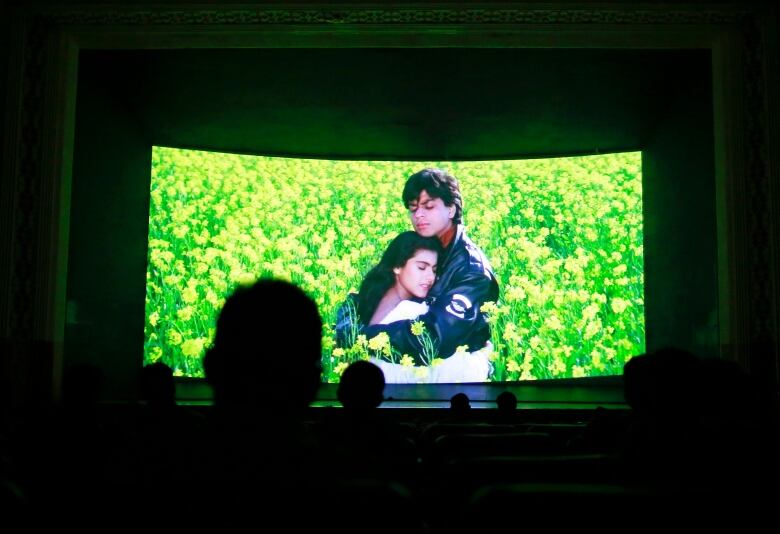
(381, 278)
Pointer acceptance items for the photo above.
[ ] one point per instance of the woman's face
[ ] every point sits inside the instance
(416, 276)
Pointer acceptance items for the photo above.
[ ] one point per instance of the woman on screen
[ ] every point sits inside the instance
(395, 290)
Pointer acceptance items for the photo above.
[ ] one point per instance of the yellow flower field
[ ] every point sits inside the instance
(564, 237)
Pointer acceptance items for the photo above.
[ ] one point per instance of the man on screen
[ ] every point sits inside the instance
(464, 278)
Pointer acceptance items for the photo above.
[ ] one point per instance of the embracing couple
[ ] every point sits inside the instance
(426, 293)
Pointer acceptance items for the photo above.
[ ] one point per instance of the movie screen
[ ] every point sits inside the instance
(560, 237)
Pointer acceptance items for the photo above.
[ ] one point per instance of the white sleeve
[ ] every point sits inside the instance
(405, 310)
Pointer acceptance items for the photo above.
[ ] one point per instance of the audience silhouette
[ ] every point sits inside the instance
(698, 441)
(159, 458)
(267, 348)
(78, 468)
(364, 442)
(361, 388)
(264, 369)
(158, 388)
(690, 437)
(460, 404)
(506, 403)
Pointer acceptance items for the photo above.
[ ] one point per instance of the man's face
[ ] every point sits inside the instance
(430, 216)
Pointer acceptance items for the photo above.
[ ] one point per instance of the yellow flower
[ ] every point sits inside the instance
(514, 293)
(338, 352)
(620, 269)
(488, 307)
(153, 318)
(436, 362)
(512, 366)
(193, 347)
(379, 341)
(418, 328)
(577, 371)
(510, 333)
(211, 254)
(595, 358)
(593, 328)
(553, 322)
(159, 243)
(461, 349)
(181, 231)
(155, 354)
(340, 368)
(590, 311)
(189, 294)
(361, 341)
(619, 305)
(172, 280)
(557, 367)
(185, 313)
(212, 298)
(407, 361)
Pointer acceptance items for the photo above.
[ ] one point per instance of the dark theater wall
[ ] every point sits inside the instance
(108, 229)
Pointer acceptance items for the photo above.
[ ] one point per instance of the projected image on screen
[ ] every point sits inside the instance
(563, 237)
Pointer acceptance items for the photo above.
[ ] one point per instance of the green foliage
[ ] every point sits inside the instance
(564, 237)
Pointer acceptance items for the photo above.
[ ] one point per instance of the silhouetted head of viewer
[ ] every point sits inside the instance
(267, 349)
(362, 387)
(157, 385)
(506, 402)
(662, 383)
(459, 403)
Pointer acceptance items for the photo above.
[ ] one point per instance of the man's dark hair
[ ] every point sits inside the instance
(438, 184)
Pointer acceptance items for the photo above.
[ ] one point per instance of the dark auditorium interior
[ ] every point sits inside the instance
(89, 436)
